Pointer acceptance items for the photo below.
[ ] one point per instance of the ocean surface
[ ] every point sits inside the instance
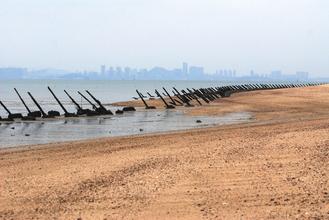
(142, 121)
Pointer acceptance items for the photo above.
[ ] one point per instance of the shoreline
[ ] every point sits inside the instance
(274, 167)
(159, 133)
(109, 127)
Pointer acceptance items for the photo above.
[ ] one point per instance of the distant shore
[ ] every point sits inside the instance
(274, 167)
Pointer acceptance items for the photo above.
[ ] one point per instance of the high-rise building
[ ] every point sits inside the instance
(225, 73)
(103, 70)
(127, 71)
(111, 70)
(300, 75)
(276, 74)
(118, 70)
(185, 68)
(196, 72)
(230, 73)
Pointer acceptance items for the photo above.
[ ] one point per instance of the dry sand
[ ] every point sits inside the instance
(276, 167)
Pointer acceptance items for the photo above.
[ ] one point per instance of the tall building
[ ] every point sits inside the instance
(127, 72)
(300, 75)
(185, 68)
(196, 72)
(103, 70)
(230, 73)
(225, 73)
(118, 70)
(276, 74)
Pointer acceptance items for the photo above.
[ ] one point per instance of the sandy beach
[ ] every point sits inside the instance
(275, 167)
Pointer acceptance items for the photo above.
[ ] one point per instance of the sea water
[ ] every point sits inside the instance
(142, 121)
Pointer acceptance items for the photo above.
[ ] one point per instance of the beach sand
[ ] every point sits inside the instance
(275, 167)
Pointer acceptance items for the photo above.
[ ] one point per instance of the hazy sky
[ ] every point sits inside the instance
(243, 34)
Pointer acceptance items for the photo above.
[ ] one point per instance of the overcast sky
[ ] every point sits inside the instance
(262, 35)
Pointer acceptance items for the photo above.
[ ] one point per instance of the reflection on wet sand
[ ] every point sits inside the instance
(140, 122)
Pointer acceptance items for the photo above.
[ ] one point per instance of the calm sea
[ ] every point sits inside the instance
(66, 129)
(106, 91)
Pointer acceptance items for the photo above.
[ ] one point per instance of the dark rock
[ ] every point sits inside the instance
(129, 109)
(16, 115)
(53, 113)
(119, 112)
(35, 114)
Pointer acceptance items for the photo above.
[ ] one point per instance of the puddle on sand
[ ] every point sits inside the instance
(131, 123)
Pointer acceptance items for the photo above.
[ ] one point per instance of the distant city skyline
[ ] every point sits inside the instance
(185, 72)
(235, 34)
(206, 70)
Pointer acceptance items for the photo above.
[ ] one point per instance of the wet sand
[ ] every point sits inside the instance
(275, 167)
(131, 123)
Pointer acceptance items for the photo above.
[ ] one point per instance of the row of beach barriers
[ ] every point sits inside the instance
(189, 96)
(176, 98)
(98, 108)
